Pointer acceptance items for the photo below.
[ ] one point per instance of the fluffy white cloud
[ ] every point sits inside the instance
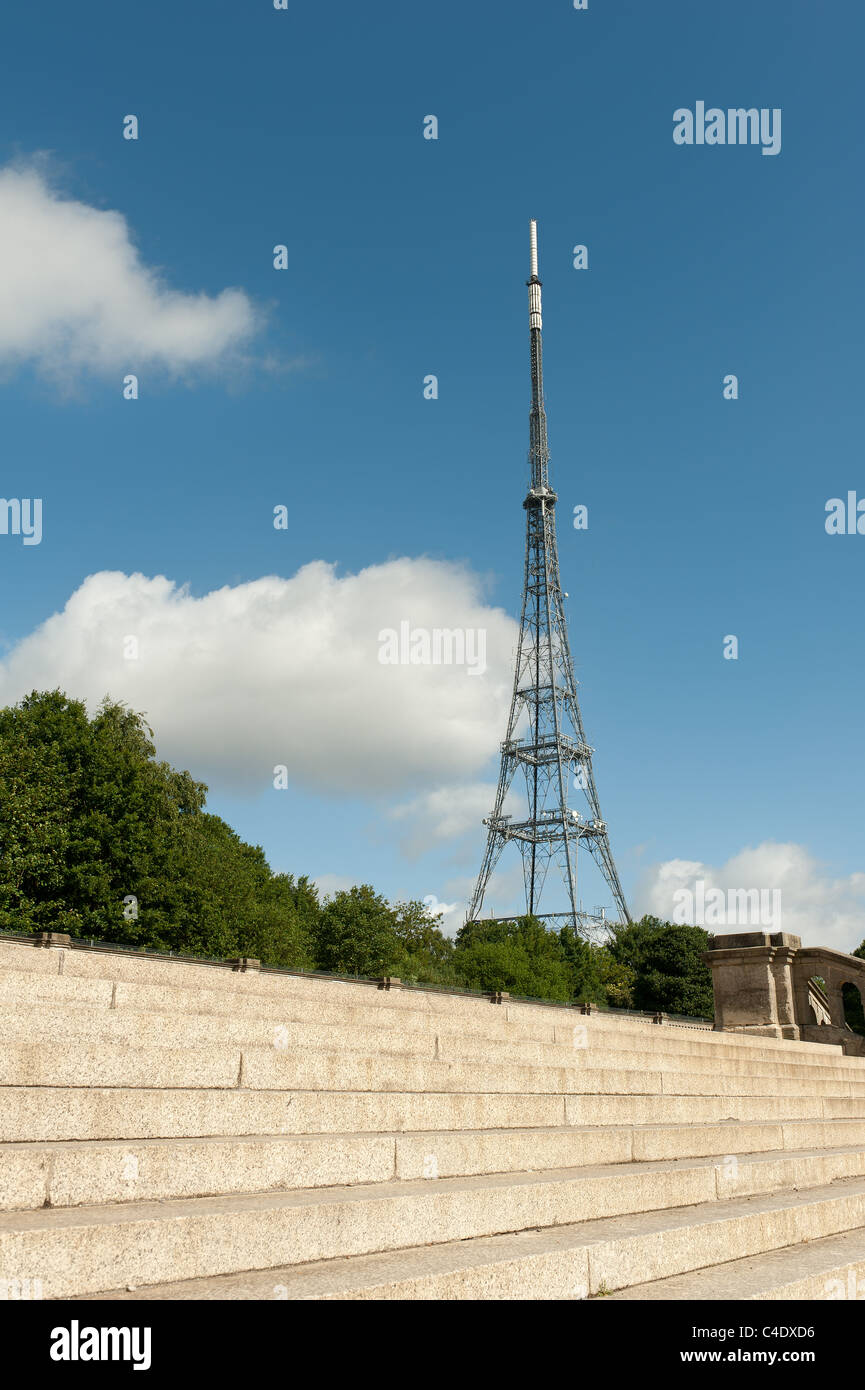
(285, 672)
(450, 916)
(823, 909)
(74, 293)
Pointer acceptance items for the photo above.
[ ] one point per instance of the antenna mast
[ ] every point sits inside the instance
(553, 751)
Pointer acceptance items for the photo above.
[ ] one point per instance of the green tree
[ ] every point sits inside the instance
(356, 935)
(427, 954)
(619, 980)
(521, 957)
(668, 971)
(34, 837)
(88, 816)
(586, 963)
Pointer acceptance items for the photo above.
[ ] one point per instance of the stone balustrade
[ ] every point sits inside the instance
(769, 984)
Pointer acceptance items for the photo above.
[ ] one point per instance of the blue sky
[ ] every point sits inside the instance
(304, 127)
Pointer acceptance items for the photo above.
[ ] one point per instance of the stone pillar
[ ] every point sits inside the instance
(753, 983)
(785, 993)
(53, 938)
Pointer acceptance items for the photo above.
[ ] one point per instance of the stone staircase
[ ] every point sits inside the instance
(184, 1131)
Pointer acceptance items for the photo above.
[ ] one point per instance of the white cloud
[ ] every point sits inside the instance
(285, 671)
(450, 917)
(74, 293)
(824, 910)
(443, 814)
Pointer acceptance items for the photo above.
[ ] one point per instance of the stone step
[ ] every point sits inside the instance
(216, 988)
(694, 1110)
(200, 1013)
(84, 1249)
(49, 1113)
(86, 1113)
(67, 1062)
(33, 1175)
(178, 1126)
(829, 1270)
(272, 1069)
(567, 1262)
(140, 969)
(150, 1029)
(18, 989)
(696, 1140)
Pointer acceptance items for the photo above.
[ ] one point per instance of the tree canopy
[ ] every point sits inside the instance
(89, 817)
(665, 962)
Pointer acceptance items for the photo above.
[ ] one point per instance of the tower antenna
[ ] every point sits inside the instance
(553, 749)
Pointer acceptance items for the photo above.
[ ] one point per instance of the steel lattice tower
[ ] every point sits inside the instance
(553, 750)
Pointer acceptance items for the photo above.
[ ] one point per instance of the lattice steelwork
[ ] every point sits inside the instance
(552, 751)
